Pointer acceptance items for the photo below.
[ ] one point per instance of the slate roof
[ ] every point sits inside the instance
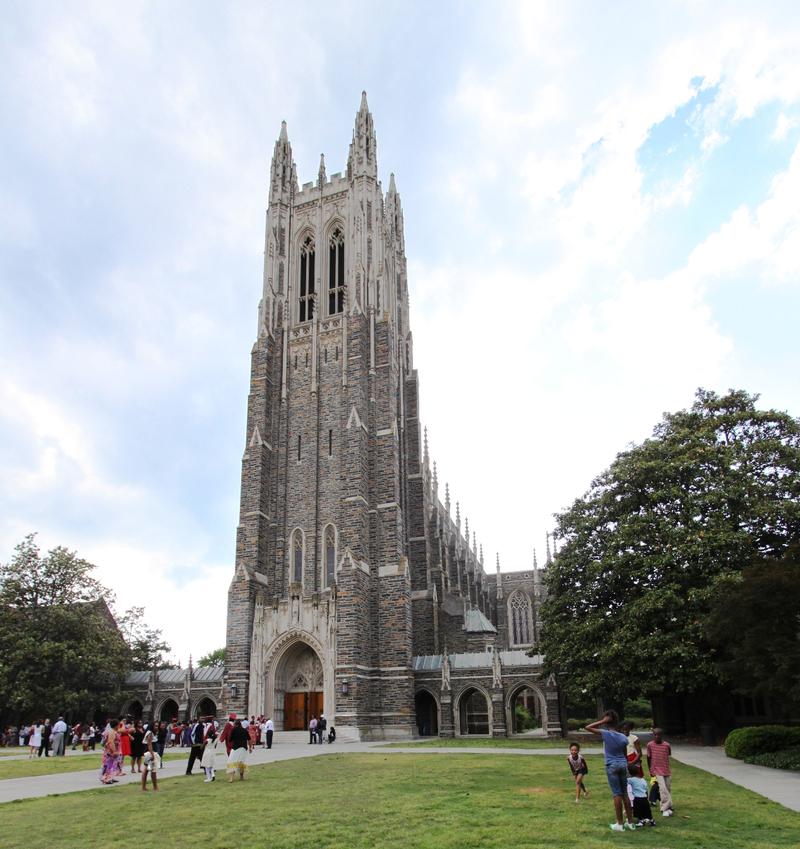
(175, 677)
(476, 622)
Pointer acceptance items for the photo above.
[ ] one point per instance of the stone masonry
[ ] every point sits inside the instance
(355, 590)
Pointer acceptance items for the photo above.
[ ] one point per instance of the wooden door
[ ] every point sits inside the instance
(294, 711)
(315, 705)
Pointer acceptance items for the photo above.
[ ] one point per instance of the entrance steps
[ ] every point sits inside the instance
(345, 735)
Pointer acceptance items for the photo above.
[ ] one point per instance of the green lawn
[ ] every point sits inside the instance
(384, 800)
(491, 742)
(73, 763)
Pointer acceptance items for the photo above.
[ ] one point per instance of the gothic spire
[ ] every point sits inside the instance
(321, 176)
(283, 174)
(447, 497)
(549, 555)
(362, 160)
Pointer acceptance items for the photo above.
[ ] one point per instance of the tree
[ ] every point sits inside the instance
(213, 658)
(61, 650)
(754, 624)
(147, 645)
(716, 487)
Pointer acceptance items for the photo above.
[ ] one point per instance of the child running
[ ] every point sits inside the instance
(577, 765)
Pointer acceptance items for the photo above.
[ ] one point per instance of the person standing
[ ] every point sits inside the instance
(110, 764)
(58, 737)
(162, 732)
(137, 746)
(658, 754)
(312, 730)
(237, 759)
(225, 734)
(269, 732)
(196, 739)
(35, 739)
(615, 747)
(150, 759)
(210, 754)
(322, 724)
(44, 745)
(634, 750)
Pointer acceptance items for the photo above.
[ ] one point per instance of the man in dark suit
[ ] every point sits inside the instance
(196, 753)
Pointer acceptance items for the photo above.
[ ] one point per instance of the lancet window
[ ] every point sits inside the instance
(306, 290)
(297, 556)
(519, 610)
(336, 273)
(330, 555)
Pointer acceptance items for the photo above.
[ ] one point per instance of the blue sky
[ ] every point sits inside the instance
(602, 214)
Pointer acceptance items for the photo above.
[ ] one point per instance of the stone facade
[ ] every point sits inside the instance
(356, 589)
(344, 551)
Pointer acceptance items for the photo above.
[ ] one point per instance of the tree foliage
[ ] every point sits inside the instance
(715, 488)
(147, 645)
(754, 622)
(61, 651)
(213, 658)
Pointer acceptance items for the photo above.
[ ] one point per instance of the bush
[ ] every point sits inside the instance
(782, 759)
(759, 739)
(525, 719)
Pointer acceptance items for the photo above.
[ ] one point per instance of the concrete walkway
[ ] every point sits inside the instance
(780, 785)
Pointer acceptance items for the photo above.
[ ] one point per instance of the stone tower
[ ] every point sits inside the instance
(320, 605)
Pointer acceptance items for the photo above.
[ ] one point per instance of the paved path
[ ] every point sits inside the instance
(780, 785)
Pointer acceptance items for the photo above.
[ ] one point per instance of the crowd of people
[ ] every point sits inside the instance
(44, 738)
(631, 792)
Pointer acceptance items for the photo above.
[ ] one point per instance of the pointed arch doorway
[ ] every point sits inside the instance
(299, 685)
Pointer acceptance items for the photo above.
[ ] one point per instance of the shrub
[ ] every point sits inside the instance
(782, 759)
(760, 739)
(525, 719)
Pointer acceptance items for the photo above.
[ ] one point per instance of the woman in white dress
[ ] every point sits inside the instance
(36, 738)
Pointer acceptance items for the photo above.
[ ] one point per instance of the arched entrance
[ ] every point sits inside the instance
(205, 707)
(169, 711)
(427, 714)
(299, 687)
(526, 710)
(135, 709)
(473, 710)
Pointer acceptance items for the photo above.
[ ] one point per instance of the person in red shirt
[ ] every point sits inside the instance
(225, 734)
(658, 754)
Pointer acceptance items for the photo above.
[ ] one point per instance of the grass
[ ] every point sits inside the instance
(490, 742)
(51, 765)
(395, 801)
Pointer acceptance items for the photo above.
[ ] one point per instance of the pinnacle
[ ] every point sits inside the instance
(364, 107)
(392, 187)
(284, 136)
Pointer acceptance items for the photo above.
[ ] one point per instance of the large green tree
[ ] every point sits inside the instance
(714, 489)
(61, 651)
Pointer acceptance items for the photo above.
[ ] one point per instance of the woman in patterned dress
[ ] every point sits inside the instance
(110, 764)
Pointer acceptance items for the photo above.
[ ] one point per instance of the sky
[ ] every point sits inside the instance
(602, 214)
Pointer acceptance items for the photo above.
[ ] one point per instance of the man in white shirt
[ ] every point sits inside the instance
(59, 731)
(269, 730)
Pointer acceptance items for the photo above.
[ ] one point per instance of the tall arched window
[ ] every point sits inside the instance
(330, 555)
(297, 553)
(306, 296)
(336, 273)
(519, 614)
